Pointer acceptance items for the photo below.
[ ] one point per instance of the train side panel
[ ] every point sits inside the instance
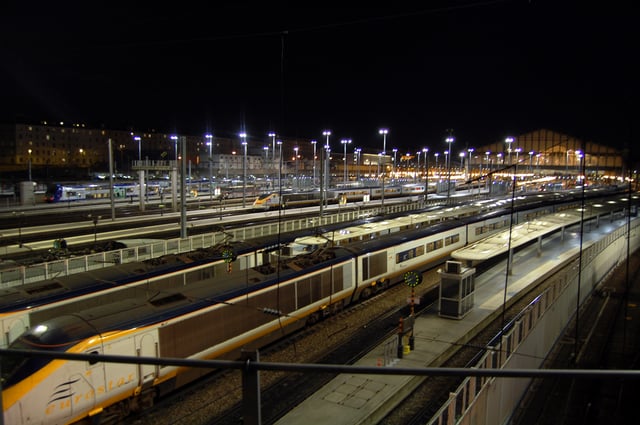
(255, 319)
(378, 269)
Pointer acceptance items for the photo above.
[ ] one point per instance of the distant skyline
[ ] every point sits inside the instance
(487, 70)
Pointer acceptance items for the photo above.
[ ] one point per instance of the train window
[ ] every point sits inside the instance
(451, 239)
(374, 265)
(409, 254)
(432, 246)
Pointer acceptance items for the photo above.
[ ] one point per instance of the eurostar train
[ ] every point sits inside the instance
(209, 316)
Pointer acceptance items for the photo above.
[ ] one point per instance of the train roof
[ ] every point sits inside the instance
(36, 294)
(146, 310)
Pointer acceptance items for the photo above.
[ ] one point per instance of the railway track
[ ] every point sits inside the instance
(350, 335)
(607, 338)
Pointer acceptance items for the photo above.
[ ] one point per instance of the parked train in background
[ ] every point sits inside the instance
(57, 192)
(275, 200)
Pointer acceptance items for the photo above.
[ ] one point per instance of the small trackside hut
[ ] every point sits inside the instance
(457, 287)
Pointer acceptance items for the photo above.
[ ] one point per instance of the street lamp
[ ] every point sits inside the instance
(314, 143)
(139, 140)
(141, 175)
(175, 144)
(209, 137)
(295, 158)
(470, 150)
(324, 166)
(509, 141)
(29, 162)
(279, 165)
(531, 153)
(243, 136)
(426, 169)
(273, 145)
(461, 161)
(579, 157)
(380, 155)
(449, 140)
(415, 179)
(264, 164)
(395, 152)
(437, 154)
(345, 142)
(356, 153)
(384, 133)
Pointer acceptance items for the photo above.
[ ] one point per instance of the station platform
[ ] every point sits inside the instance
(366, 399)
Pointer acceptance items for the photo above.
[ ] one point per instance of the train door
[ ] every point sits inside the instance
(146, 346)
(85, 382)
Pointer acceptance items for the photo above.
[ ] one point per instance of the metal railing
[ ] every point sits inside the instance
(20, 275)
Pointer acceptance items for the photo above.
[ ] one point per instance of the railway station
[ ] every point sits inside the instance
(457, 231)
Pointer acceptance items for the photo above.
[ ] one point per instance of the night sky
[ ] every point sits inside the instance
(487, 69)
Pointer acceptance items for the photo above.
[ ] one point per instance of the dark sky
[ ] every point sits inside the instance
(484, 69)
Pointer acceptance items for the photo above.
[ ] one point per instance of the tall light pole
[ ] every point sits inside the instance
(174, 175)
(243, 136)
(139, 140)
(509, 141)
(29, 160)
(209, 138)
(295, 158)
(314, 143)
(264, 164)
(345, 142)
(273, 145)
(141, 175)
(531, 153)
(328, 164)
(426, 169)
(380, 155)
(175, 145)
(437, 154)
(415, 180)
(324, 160)
(356, 153)
(449, 140)
(384, 133)
(470, 151)
(280, 166)
(395, 153)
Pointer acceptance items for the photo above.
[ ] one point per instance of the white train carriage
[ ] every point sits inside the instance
(204, 320)
(23, 306)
